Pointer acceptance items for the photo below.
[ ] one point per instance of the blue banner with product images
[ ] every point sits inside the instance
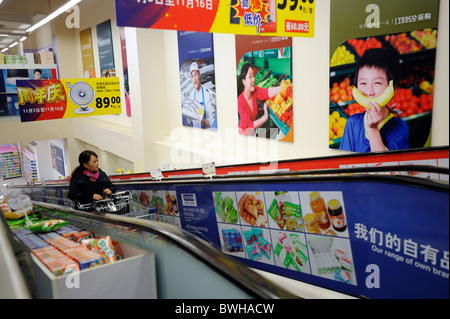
(393, 246)
(395, 243)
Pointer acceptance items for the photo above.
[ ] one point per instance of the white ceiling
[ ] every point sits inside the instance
(18, 15)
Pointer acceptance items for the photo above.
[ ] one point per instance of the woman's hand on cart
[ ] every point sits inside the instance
(107, 191)
(97, 197)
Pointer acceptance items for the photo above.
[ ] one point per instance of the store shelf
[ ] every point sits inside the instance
(11, 167)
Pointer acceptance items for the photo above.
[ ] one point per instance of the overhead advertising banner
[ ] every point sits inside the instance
(123, 48)
(399, 38)
(251, 17)
(8, 78)
(40, 100)
(197, 79)
(105, 49)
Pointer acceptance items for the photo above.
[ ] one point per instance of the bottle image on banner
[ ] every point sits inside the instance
(336, 215)
(319, 209)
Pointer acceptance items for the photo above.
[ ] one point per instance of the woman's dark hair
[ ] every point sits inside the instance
(244, 71)
(383, 59)
(83, 158)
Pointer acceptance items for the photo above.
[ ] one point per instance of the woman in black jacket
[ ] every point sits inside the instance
(88, 181)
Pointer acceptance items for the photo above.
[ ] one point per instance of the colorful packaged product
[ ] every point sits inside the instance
(47, 225)
(253, 252)
(102, 245)
(78, 236)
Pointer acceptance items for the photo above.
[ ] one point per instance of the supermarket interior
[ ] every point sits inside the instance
(215, 194)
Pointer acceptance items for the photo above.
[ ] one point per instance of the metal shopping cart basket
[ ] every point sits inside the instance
(120, 203)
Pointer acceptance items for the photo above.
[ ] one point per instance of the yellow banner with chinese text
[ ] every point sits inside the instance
(64, 98)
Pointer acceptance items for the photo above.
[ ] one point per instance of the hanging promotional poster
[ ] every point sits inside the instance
(267, 60)
(250, 17)
(8, 77)
(382, 63)
(123, 48)
(40, 100)
(197, 79)
(105, 49)
(87, 53)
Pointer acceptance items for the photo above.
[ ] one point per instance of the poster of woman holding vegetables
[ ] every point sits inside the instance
(264, 87)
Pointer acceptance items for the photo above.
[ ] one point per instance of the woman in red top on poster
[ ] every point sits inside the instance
(248, 101)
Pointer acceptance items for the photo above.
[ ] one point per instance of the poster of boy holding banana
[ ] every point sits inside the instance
(376, 129)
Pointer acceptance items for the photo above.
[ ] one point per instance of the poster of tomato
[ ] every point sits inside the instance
(382, 62)
(264, 87)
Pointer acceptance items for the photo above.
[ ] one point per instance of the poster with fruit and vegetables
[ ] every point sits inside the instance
(406, 29)
(271, 62)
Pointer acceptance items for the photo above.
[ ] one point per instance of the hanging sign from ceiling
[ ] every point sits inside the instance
(56, 99)
(290, 18)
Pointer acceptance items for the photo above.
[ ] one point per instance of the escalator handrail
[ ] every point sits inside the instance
(362, 171)
(250, 281)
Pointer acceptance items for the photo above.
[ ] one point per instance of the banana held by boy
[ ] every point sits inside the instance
(383, 99)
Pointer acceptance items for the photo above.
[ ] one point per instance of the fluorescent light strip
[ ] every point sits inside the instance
(5, 49)
(53, 15)
(14, 44)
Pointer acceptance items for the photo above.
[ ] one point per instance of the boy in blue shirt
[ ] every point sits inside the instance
(376, 129)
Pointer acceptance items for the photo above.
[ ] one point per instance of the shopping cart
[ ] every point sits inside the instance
(119, 203)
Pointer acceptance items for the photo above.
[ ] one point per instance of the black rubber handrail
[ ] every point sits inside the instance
(303, 174)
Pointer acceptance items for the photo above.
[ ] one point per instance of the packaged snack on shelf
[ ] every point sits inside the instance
(32, 241)
(4, 207)
(102, 245)
(49, 235)
(62, 243)
(64, 230)
(21, 232)
(78, 236)
(46, 225)
(62, 266)
(90, 261)
(117, 250)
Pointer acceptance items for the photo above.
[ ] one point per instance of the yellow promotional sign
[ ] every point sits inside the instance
(64, 98)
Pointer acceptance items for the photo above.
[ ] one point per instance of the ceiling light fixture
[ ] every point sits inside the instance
(14, 44)
(53, 15)
(4, 35)
(22, 39)
(5, 49)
